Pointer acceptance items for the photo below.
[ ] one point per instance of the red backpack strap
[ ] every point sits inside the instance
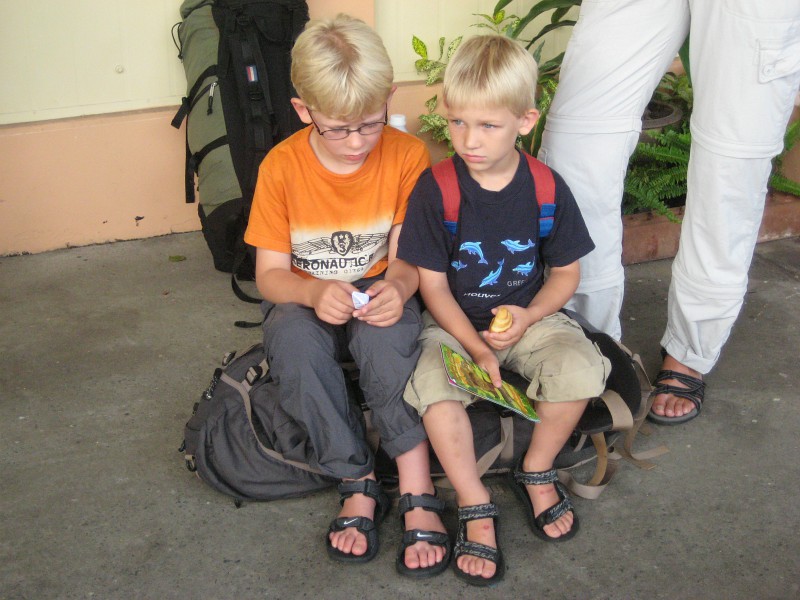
(545, 186)
(444, 172)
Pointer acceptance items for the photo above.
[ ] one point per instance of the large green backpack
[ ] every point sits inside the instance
(237, 58)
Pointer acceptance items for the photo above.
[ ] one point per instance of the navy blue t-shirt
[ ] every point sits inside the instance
(496, 256)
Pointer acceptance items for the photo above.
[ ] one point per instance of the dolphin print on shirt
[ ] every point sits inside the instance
(492, 277)
(458, 265)
(514, 246)
(524, 269)
(475, 249)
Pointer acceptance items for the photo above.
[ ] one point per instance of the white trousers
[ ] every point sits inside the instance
(745, 66)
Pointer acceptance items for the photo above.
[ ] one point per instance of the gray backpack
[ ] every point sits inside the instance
(230, 439)
(241, 442)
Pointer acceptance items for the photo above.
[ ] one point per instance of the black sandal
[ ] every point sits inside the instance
(365, 525)
(428, 502)
(464, 546)
(694, 392)
(521, 479)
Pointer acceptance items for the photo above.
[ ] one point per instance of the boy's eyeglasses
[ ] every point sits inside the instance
(340, 133)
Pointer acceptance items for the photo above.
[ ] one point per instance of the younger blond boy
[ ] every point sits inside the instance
(326, 216)
(497, 259)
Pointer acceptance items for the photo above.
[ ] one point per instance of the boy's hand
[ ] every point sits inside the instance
(385, 307)
(487, 360)
(332, 300)
(521, 319)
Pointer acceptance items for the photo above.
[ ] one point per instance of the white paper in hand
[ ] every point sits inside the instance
(360, 299)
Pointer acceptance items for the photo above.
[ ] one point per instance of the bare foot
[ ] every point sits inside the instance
(350, 540)
(668, 405)
(422, 554)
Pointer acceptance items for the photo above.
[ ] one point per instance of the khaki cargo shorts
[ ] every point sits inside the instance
(554, 355)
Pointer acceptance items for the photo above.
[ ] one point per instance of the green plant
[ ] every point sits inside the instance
(657, 171)
(779, 181)
(656, 177)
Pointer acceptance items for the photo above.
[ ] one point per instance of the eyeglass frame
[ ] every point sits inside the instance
(349, 131)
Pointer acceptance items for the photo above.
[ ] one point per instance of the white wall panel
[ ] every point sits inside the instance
(70, 58)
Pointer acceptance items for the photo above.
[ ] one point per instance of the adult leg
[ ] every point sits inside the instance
(618, 52)
(745, 63)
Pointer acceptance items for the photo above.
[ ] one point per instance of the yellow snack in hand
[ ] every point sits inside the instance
(501, 321)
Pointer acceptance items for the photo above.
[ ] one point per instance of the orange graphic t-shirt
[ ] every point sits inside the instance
(334, 226)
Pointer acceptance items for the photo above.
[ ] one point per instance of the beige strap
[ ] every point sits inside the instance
(603, 473)
(640, 459)
(621, 417)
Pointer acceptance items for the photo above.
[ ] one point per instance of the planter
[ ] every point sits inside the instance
(648, 237)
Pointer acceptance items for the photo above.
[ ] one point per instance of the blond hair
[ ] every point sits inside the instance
(341, 68)
(491, 71)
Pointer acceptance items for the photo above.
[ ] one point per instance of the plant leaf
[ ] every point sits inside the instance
(435, 74)
(547, 29)
(501, 5)
(419, 47)
(540, 8)
(453, 46)
(431, 103)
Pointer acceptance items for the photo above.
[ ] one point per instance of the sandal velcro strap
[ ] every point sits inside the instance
(555, 512)
(536, 477)
(418, 535)
(363, 524)
(429, 502)
(478, 511)
(368, 487)
(475, 549)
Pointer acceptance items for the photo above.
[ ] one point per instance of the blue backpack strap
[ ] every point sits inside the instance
(444, 172)
(545, 193)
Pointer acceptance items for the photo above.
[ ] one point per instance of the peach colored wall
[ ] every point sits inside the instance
(73, 182)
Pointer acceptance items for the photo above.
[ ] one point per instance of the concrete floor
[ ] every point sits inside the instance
(106, 348)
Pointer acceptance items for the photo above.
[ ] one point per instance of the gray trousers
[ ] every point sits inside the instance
(304, 355)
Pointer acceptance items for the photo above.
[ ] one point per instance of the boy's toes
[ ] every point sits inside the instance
(412, 559)
(349, 541)
(475, 566)
(422, 555)
(561, 526)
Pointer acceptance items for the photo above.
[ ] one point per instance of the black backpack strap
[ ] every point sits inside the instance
(187, 103)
